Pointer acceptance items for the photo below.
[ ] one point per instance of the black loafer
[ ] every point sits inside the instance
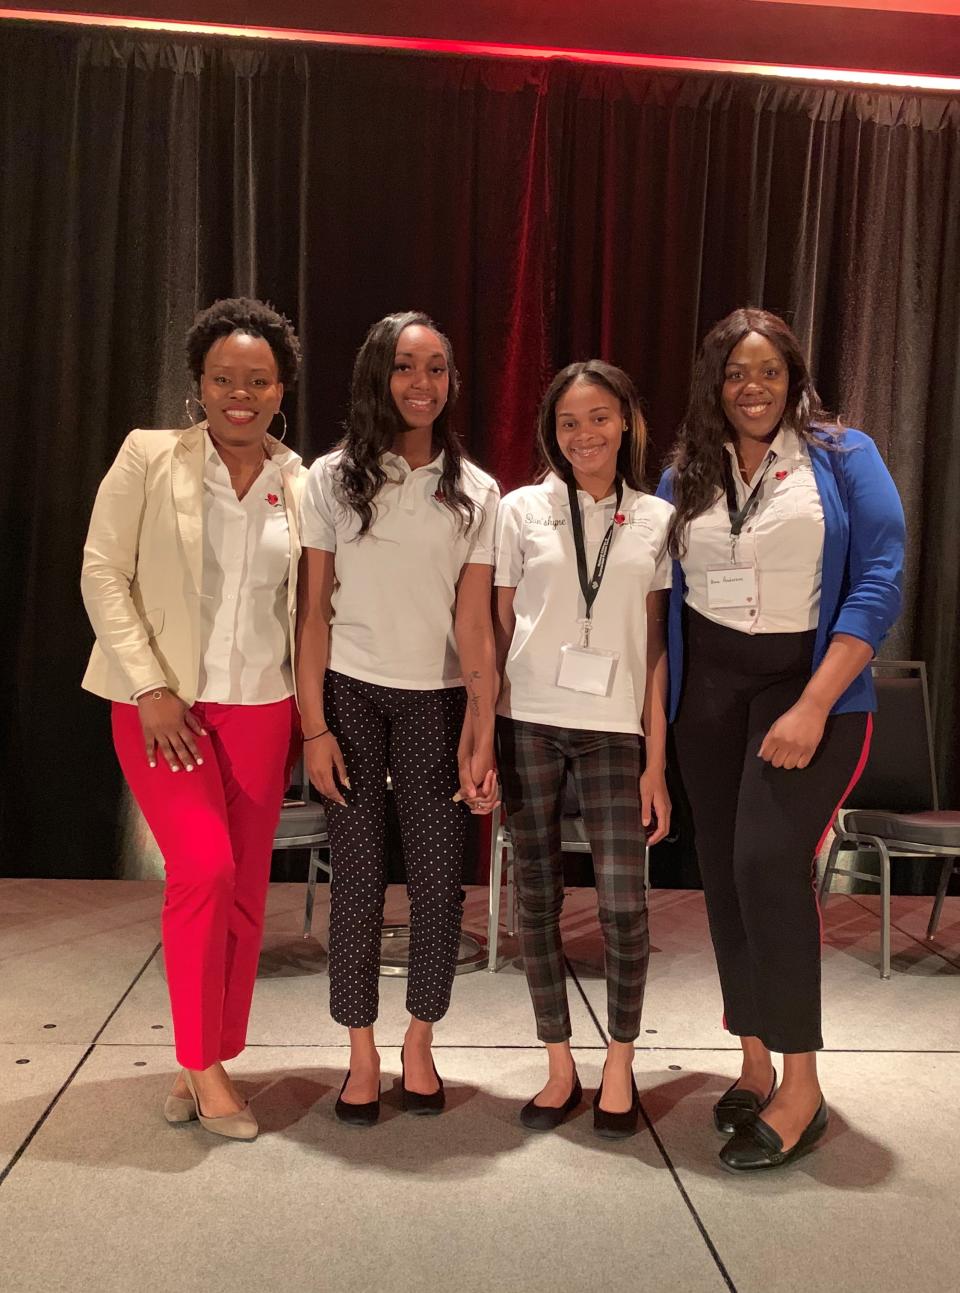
(616, 1126)
(737, 1107)
(415, 1101)
(757, 1145)
(540, 1117)
(356, 1115)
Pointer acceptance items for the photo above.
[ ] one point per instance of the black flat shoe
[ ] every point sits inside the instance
(616, 1126)
(737, 1107)
(757, 1145)
(547, 1117)
(356, 1115)
(415, 1101)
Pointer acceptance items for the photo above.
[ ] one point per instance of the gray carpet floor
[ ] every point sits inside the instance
(97, 1192)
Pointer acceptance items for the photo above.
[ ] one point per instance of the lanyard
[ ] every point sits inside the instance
(590, 587)
(740, 515)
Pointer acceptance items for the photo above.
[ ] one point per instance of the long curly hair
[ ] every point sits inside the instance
(374, 420)
(698, 455)
(633, 446)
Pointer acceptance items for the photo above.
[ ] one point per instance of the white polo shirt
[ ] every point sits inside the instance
(536, 555)
(783, 539)
(244, 625)
(396, 587)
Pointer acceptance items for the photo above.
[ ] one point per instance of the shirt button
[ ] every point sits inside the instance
(752, 612)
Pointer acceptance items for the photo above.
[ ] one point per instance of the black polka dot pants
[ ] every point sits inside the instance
(414, 735)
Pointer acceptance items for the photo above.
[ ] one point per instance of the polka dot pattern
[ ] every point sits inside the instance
(414, 735)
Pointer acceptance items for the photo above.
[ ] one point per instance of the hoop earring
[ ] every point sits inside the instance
(280, 413)
(186, 405)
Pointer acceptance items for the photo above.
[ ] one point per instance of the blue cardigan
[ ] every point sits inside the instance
(862, 561)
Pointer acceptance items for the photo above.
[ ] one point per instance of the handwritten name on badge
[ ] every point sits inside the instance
(553, 522)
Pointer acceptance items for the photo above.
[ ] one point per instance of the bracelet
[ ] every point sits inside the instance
(325, 732)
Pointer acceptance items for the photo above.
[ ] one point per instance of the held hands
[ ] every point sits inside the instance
(479, 786)
(793, 739)
(325, 767)
(654, 804)
(168, 725)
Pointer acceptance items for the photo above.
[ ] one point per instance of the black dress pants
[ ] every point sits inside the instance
(759, 828)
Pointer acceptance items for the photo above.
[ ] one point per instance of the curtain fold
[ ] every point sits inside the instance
(542, 211)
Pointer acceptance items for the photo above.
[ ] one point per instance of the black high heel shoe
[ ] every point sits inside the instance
(356, 1115)
(757, 1145)
(547, 1117)
(616, 1126)
(416, 1101)
(737, 1107)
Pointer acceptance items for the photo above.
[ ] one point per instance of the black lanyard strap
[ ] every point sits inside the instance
(739, 515)
(590, 587)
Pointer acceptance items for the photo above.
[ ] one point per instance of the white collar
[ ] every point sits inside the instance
(785, 444)
(278, 455)
(390, 459)
(556, 487)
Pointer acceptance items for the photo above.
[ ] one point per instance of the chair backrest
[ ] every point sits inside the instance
(899, 775)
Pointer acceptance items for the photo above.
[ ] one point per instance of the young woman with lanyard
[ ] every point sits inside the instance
(582, 566)
(397, 528)
(789, 544)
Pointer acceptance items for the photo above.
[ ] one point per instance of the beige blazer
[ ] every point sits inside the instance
(143, 563)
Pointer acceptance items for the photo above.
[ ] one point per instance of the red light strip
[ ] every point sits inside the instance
(854, 76)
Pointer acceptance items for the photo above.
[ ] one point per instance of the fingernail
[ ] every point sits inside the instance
(153, 763)
(174, 768)
(347, 784)
(203, 731)
(199, 762)
(189, 767)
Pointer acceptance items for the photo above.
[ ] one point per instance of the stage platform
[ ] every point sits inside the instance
(98, 1193)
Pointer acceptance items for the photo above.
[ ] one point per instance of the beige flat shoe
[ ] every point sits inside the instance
(235, 1126)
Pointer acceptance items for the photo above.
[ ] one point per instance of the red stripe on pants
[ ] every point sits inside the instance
(215, 828)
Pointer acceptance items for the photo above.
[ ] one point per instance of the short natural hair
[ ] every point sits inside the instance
(257, 319)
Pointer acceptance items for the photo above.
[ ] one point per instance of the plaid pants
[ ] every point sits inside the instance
(606, 767)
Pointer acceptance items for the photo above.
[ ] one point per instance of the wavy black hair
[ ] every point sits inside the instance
(698, 455)
(244, 314)
(633, 446)
(374, 421)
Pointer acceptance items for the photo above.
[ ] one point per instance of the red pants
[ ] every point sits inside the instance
(215, 828)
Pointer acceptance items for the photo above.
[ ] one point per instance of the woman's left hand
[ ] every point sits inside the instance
(793, 739)
(479, 785)
(654, 804)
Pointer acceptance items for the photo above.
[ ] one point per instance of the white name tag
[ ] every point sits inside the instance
(729, 587)
(586, 669)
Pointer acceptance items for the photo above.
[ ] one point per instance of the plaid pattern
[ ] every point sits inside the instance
(606, 767)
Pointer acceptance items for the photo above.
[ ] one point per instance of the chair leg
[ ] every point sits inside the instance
(493, 897)
(884, 910)
(311, 891)
(828, 870)
(946, 871)
(511, 892)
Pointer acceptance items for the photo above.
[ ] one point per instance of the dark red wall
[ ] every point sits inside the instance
(745, 30)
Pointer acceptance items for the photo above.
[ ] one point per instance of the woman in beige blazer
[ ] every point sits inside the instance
(189, 580)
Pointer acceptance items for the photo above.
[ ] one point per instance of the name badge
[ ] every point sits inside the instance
(731, 587)
(586, 669)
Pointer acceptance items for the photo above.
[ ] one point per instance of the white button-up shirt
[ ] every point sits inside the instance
(244, 625)
(536, 556)
(396, 587)
(782, 539)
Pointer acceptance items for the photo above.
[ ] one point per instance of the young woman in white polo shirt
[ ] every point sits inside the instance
(582, 566)
(397, 530)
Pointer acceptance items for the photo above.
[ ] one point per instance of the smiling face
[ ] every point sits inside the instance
(420, 381)
(240, 389)
(755, 388)
(589, 425)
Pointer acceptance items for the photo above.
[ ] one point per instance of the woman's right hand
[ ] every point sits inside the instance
(168, 725)
(323, 758)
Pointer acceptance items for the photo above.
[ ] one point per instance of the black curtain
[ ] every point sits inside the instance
(541, 211)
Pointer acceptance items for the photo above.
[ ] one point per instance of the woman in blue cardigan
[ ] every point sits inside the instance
(788, 547)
